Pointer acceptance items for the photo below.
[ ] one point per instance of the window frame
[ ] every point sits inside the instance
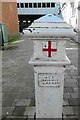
(30, 5)
(48, 4)
(18, 5)
(43, 5)
(52, 4)
(34, 5)
(22, 5)
(39, 6)
(26, 5)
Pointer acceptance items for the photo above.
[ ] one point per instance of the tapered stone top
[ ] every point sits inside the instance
(50, 26)
(49, 18)
(49, 34)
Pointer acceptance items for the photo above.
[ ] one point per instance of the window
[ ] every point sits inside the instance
(48, 4)
(35, 5)
(39, 5)
(26, 5)
(52, 4)
(30, 5)
(17, 5)
(22, 5)
(43, 5)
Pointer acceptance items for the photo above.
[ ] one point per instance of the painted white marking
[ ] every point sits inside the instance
(71, 67)
(71, 48)
(18, 41)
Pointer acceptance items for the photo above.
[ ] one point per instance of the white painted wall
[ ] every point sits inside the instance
(67, 13)
(79, 17)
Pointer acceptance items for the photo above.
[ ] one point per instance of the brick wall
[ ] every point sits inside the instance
(0, 11)
(10, 16)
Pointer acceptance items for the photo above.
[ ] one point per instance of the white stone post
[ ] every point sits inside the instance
(49, 60)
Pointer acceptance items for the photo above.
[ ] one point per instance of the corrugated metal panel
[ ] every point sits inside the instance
(36, 11)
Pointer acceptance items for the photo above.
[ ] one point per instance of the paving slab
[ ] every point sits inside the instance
(21, 102)
(7, 111)
(30, 111)
(19, 111)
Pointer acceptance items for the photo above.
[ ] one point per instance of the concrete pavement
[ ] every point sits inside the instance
(18, 101)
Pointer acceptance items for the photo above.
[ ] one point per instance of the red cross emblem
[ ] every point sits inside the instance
(48, 48)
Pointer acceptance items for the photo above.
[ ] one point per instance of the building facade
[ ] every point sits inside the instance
(29, 10)
(9, 15)
(32, 9)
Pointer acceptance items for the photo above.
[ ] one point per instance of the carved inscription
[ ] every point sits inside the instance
(48, 79)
